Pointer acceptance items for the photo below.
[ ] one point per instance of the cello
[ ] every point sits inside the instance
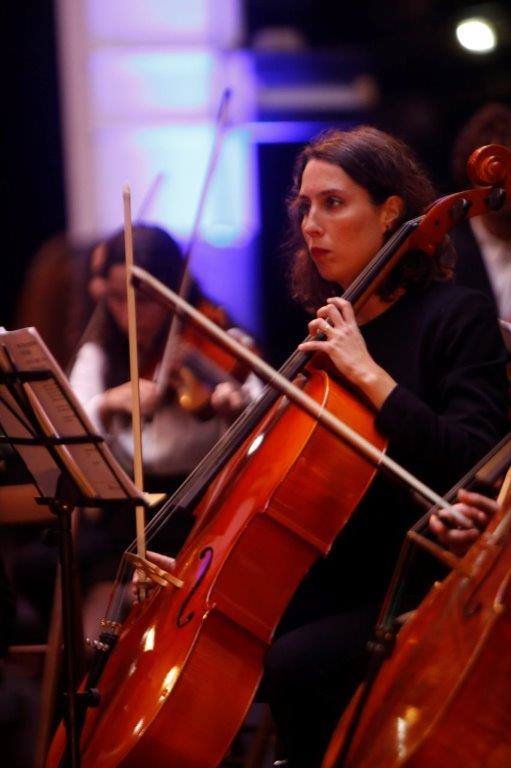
(443, 697)
(222, 616)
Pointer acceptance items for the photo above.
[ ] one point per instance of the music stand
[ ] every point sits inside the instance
(71, 466)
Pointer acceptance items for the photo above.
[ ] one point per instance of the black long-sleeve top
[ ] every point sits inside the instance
(443, 347)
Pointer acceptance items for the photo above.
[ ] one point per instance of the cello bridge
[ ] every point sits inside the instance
(153, 572)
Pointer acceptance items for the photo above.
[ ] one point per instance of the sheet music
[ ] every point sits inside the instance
(13, 423)
(92, 465)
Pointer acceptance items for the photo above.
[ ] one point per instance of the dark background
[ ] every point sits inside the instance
(33, 181)
(429, 87)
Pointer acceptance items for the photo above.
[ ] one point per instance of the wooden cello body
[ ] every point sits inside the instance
(443, 698)
(189, 660)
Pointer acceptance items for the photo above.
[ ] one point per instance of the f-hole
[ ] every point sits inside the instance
(205, 557)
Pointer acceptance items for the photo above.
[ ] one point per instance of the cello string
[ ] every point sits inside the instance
(376, 266)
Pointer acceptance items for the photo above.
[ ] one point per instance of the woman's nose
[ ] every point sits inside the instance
(310, 223)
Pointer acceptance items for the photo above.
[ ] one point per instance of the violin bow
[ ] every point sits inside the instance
(162, 372)
(149, 196)
(134, 371)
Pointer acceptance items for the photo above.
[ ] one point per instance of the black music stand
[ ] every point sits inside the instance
(28, 425)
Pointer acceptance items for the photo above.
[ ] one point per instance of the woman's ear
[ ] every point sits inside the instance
(97, 283)
(98, 257)
(97, 288)
(391, 211)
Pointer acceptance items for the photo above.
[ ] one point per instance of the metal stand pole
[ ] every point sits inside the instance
(63, 513)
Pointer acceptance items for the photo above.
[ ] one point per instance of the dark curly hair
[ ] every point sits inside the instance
(384, 166)
(157, 252)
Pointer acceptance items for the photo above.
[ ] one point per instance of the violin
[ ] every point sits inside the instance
(202, 364)
(209, 631)
(443, 697)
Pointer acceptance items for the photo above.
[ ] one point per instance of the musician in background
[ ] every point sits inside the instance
(48, 295)
(484, 242)
(174, 439)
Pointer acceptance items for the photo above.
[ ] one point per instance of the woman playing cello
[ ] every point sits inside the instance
(428, 358)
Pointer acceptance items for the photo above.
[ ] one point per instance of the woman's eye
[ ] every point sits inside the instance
(333, 202)
(303, 209)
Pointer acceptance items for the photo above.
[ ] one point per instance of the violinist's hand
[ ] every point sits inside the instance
(478, 509)
(243, 338)
(118, 400)
(228, 400)
(162, 561)
(345, 346)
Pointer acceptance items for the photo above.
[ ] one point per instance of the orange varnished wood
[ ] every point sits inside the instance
(193, 337)
(194, 391)
(183, 691)
(443, 699)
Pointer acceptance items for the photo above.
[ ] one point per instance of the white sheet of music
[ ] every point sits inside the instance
(14, 424)
(93, 465)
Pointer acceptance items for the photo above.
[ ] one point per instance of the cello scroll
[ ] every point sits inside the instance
(490, 165)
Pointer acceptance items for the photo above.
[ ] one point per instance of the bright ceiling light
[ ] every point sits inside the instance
(476, 35)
